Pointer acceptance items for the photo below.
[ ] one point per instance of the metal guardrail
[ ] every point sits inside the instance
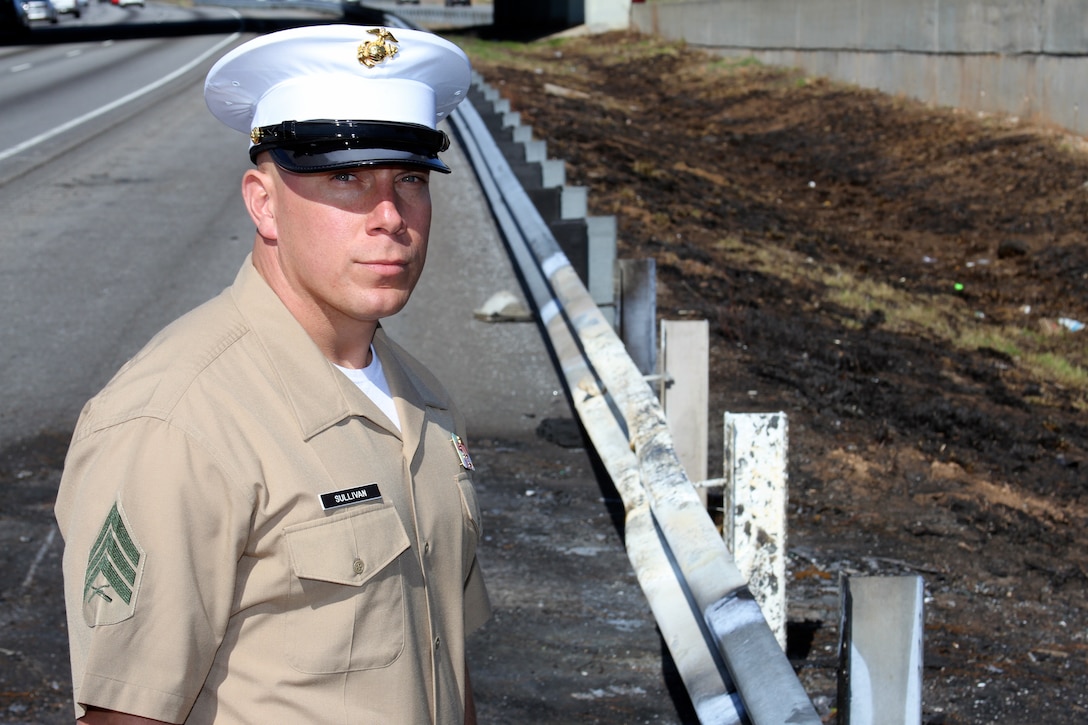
(434, 16)
(727, 655)
(397, 15)
(332, 7)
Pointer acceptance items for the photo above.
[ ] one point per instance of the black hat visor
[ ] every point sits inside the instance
(307, 147)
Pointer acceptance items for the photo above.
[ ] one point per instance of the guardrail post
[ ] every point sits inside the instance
(602, 264)
(754, 519)
(685, 392)
(637, 310)
(588, 242)
(880, 651)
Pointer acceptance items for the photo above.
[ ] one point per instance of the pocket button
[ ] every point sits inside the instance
(357, 566)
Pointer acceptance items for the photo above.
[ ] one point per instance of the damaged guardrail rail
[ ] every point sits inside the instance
(729, 659)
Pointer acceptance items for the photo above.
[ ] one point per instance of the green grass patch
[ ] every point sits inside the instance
(1060, 359)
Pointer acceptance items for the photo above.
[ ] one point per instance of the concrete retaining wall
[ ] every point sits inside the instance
(1027, 58)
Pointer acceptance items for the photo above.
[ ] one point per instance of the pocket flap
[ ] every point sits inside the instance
(347, 550)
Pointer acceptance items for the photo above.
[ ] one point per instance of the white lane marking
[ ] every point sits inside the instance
(29, 578)
(21, 67)
(65, 127)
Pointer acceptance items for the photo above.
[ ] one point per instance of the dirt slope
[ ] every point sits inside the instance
(902, 282)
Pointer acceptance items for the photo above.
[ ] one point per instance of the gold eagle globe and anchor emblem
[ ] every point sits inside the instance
(379, 50)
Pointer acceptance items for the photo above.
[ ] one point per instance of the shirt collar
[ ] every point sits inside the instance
(319, 394)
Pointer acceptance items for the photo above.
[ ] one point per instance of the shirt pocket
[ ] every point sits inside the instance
(345, 608)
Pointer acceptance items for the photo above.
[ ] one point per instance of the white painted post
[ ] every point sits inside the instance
(685, 392)
(880, 650)
(755, 495)
(607, 14)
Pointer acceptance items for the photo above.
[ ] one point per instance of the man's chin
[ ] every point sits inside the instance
(378, 309)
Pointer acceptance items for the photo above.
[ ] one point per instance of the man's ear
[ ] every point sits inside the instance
(258, 193)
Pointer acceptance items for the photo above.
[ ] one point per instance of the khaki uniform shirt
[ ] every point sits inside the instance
(248, 539)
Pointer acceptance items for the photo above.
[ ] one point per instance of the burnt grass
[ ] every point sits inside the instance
(911, 452)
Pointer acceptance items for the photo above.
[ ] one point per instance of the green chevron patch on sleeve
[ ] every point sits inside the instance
(114, 570)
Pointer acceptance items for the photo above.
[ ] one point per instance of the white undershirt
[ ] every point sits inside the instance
(371, 380)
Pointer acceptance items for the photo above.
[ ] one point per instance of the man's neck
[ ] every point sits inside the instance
(343, 340)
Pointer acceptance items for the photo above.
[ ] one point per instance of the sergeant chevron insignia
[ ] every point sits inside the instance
(114, 570)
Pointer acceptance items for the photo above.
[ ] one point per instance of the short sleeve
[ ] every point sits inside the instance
(154, 527)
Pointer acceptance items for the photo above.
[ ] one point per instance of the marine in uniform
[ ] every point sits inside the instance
(268, 513)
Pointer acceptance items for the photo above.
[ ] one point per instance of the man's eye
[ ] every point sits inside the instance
(342, 176)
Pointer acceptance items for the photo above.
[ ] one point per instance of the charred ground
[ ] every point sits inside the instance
(894, 277)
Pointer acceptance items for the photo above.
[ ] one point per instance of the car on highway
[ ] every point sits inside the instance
(124, 3)
(68, 7)
(40, 10)
(451, 3)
